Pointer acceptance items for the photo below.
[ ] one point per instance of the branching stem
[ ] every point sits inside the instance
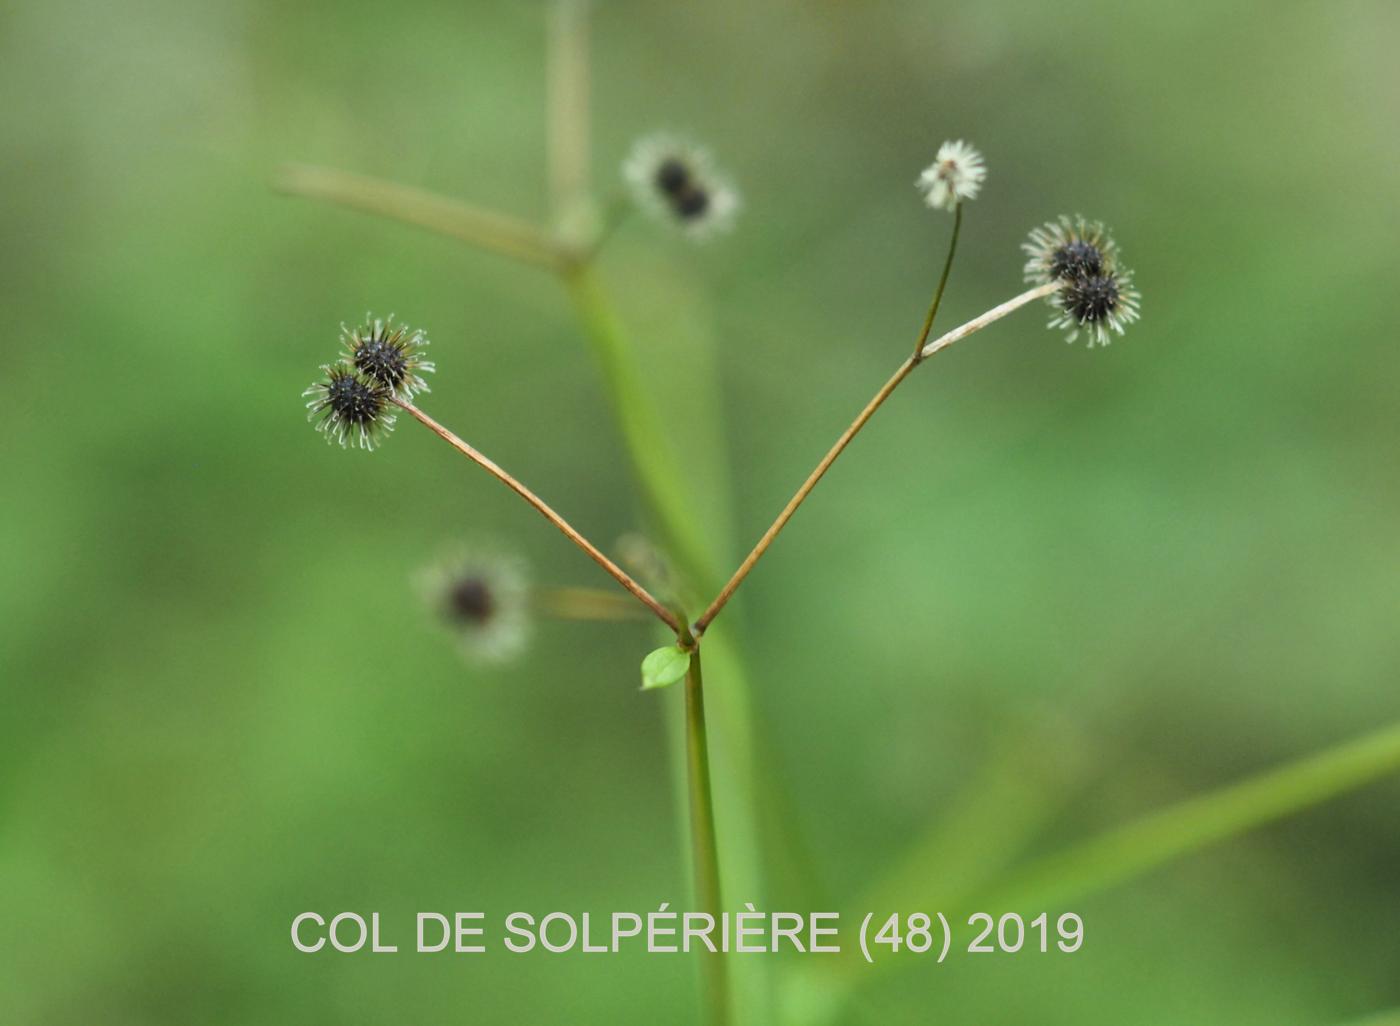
(486, 229)
(925, 351)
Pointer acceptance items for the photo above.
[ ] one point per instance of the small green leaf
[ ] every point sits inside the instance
(665, 666)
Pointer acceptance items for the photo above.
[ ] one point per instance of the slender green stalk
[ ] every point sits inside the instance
(568, 114)
(666, 492)
(942, 284)
(886, 390)
(703, 840)
(485, 229)
(752, 803)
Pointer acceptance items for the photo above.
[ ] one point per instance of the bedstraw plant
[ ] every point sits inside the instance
(1072, 265)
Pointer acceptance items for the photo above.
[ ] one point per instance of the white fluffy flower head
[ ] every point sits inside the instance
(956, 174)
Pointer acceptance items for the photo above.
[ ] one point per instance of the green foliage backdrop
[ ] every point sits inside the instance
(1138, 573)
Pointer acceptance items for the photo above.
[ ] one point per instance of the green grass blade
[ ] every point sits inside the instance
(1159, 837)
(1388, 1018)
(1126, 852)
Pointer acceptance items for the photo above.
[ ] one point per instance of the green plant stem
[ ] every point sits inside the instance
(752, 803)
(703, 840)
(488, 230)
(942, 284)
(568, 108)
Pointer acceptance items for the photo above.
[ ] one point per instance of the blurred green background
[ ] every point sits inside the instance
(1146, 571)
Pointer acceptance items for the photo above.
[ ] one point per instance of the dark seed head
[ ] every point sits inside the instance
(1092, 298)
(672, 176)
(691, 203)
(1076, 259)
(353, 401)
(381, 359)
(470, 601)
(388, 355)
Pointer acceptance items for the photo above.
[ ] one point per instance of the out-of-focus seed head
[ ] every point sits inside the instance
(676, 182)
(672, 177)
(483, 600)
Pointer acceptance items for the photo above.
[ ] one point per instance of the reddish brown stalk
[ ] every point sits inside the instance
(923, 353)
(565, 528)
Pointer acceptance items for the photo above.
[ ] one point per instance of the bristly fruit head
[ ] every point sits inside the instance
(389, 354)
(676, 182)
(956, 174)
(1096, 294)
(1066, 249)
(1097, 304)
(1076, 259)
(348, 406)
